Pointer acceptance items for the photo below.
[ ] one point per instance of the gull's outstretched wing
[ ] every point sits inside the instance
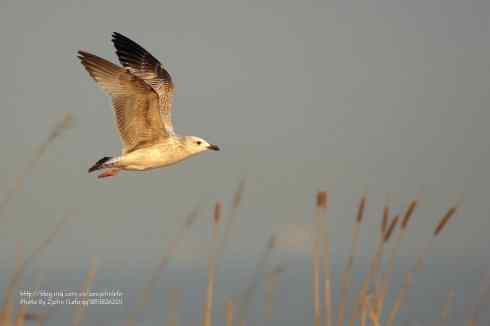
(135, 103)
(142, 64)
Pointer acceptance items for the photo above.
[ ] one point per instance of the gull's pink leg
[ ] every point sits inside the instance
(110, 173)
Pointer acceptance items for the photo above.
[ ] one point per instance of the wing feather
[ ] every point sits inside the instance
(135, 104)
(142, 64)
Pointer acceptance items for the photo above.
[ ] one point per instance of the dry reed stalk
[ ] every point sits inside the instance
(155, 276)
(322, 201)
(437, 231)
(446, 309)
(269, 296)
(485, 281)
(245, 297)
(19, 318)
(28, 316)
(230, 219)
(374, 314)
(316, 265)
(399, 300)
(19, 321)
(7, 311)
(175, 300)
(375, 264)
(328, 301)
(40, 317)
(229, 313)
(484, 300)
(316, 283)
(419, 263)
(386, 217)
(22, 315)
(22, 265)
(384, 226)
(347, 273)
(58, 129)
(408, 283)
(208, 307)
(80, 309)
(385, 281)
(364, 310)
(271, 286)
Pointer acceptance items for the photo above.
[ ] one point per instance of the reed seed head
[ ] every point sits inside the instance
(217, 212)
(361, 209)
(445, 219)
(392, 226)
(321, 199)
(409, 213)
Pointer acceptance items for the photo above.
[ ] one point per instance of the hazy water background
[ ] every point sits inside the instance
(294, 302)
(386, 95)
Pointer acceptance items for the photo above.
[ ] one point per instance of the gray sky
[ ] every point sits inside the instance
(383, 95)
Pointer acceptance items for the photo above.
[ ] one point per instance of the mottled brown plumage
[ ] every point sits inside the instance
(141, 92)
(135, 104)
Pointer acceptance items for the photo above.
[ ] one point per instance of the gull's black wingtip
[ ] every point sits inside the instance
(81, 54)
(118, 37)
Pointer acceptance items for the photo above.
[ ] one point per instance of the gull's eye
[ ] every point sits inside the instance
(198, 142)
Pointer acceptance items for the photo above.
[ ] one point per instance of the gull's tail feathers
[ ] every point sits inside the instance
(100, 164)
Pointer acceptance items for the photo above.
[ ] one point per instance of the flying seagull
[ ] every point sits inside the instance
(141, 92)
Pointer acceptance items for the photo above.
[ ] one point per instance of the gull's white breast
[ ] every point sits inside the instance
(153, 157)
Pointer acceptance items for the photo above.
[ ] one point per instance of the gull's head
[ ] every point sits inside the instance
(196, 145)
